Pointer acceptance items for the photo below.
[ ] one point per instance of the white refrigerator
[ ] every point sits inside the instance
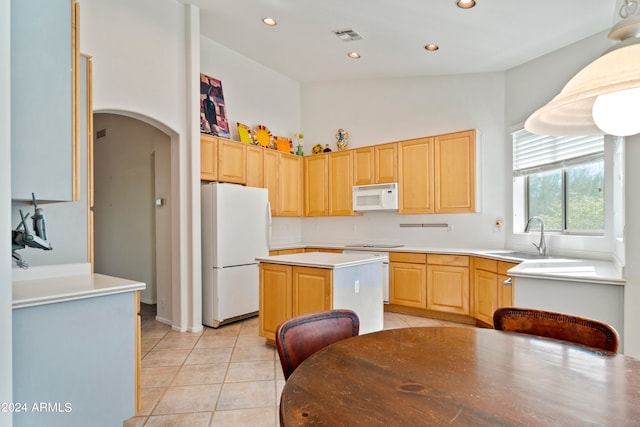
(235, 231)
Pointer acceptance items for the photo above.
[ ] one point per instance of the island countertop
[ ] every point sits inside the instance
(322, 259)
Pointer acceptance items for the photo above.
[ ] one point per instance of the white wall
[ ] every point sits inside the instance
(6, 360)
(387, 110)
(139, 56)
(254, 94)
(632, 248)
(528, 87)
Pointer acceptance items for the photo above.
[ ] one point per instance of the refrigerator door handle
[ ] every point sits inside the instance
(269, 225)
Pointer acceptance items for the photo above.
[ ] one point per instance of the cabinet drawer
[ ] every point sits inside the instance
(503, 266)
(456, 260)
(408, 257)
(486, 264)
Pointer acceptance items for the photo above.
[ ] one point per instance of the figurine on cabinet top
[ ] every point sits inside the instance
(342, 139)
(326, 149)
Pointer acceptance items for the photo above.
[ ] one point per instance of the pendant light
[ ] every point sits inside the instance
(605, 96)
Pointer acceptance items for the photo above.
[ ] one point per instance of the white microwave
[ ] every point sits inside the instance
(376, 197)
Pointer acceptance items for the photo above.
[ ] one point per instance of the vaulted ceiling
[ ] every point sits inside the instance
(495, 35)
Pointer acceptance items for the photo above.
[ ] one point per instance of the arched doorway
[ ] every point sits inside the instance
(134, 203)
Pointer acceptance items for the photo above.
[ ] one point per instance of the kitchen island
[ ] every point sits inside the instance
(75, 347)
(296, 284)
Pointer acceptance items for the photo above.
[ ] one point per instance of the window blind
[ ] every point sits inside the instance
(530, 151)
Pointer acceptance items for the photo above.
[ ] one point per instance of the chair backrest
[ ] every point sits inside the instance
(299, 337)
(579, 330)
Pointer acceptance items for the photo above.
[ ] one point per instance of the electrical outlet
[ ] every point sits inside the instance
(357, 286)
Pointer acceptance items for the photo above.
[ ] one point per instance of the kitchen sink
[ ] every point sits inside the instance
(519, 255)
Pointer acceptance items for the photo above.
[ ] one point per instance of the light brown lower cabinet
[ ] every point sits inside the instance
(448, 283)
(408, 279)
(492, 287)
(281, 295)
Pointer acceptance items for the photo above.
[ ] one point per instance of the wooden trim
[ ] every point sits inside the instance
(75, 104)
(90, 170)
(138, 349)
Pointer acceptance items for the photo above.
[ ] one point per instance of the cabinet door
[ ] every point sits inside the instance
(232, 161)
(312, 290)
(290, 185)
(455, 172)
(316, 189)
(271, 162)
(386, 159)
(415, 164)
(45, 139)
(448, 289)
(208, 157)
(340, 188)
(275, 297)
(485, 295)
(255, 167)
(363, 166)
(506, 284)
(407, 284)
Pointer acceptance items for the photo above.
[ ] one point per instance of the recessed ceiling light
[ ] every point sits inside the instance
(270, 21)
(431, 47)
(353, 55)
(466, 4)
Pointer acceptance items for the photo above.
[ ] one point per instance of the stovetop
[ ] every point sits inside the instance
(369, 245)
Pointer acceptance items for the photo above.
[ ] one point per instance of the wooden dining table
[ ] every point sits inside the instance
(461, 376)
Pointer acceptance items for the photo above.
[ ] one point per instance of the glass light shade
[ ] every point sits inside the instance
(618, 113)
(570, 113)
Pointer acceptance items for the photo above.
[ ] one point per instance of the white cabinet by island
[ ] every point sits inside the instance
(296, 284)
(75, 350)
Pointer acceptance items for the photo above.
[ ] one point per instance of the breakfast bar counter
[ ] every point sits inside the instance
(75, 333)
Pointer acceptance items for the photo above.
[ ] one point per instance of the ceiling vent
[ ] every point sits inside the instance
(348, 35)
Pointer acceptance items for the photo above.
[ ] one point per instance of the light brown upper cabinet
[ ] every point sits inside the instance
(255, 166)
(208, 157)
(340, 200)
(415, 165)
(232, 161)
(363, 166)
(316, 190)
(271, 164)
(377, 164)
(283, 179)
(222, 160)
(455, 172)
(386, 160)
(290, 185)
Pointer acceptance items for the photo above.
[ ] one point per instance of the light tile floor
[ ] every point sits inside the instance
(218, 377)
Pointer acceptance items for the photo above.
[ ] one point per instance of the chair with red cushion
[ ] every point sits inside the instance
(579, 330)
(299, 337)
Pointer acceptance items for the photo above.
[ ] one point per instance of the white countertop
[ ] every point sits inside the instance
(322, 259)
(48, 290)
(556, 267)
(575, 270)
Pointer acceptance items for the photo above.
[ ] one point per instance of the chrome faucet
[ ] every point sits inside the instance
(542, 246)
